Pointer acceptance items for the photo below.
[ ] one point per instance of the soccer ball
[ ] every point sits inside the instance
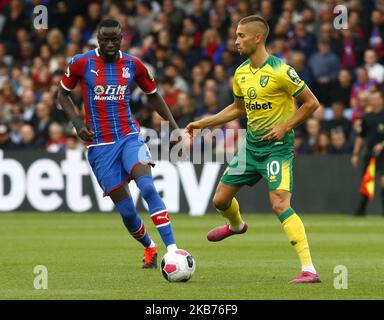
(177, 266)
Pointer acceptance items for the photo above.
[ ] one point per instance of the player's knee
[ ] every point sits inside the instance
(146, 186)
(148, 191)
(279, 206)
(127, 209)
(128, 216)
(220, 202)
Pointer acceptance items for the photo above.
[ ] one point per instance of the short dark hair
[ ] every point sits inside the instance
(109, 23)
(256, 18)
(146, 4)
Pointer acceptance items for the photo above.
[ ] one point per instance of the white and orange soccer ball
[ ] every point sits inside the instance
(178, 266)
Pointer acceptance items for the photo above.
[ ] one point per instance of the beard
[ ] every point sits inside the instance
(248, 52)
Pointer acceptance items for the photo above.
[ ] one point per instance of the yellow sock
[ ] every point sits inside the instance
(233, 215)
(295, 231)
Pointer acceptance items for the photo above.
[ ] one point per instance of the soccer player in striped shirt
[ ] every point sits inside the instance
(116, 152)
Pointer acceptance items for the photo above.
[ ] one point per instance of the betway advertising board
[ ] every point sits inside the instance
(51, 182)
(44, 182)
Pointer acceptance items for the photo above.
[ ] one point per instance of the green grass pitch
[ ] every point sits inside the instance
(91, 256)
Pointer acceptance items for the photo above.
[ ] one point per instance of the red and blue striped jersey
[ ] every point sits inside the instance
(106, 92)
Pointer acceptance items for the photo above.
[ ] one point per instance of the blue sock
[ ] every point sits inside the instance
(132, 221)
(157, 209)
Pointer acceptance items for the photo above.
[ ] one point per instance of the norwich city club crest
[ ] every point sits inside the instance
(264, 81)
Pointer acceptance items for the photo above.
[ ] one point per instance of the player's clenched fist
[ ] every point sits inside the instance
(83, 131)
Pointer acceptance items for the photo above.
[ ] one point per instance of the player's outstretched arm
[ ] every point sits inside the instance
(66, 103)
(231, 112)
(162, 109)
(309, 104)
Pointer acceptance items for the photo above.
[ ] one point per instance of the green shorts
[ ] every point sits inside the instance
(249, 166)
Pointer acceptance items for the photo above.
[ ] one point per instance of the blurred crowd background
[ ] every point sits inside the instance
(190, 48)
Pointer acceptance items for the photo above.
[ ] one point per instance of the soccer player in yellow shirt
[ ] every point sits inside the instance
(264, 89)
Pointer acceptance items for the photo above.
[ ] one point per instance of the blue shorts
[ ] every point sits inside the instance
(112, 164)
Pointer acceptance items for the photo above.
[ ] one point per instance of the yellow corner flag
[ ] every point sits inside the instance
(367, 187)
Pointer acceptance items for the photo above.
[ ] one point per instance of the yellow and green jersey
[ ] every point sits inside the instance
(268, 93)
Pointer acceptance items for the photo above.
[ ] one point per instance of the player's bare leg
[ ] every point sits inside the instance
(295, 231)
(135, 226)
(142, 174)
(225, 202)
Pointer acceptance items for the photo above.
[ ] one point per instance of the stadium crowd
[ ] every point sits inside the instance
(190, 48)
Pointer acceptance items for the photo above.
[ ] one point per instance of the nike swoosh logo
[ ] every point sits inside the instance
(96, 72)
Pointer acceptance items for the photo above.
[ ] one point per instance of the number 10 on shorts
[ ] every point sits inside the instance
(273, 168)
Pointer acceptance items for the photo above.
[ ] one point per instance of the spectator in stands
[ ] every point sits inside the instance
(15, 125)
(229, 62)
(322, 146)
(28, 140)
(185, 47)
(375, 69)
(75, 36)
(145, 18)
(267, 12)
(324, 65)
(175, 17)
(319, 114)
(164, 39)
(376, 34)
(352, 49)
(310, 141)
(173, 73)
(4, 136)
(224, 92)
(93, 16)
(79, 22)
(354, 24)
(72, 143)
(339, 121)
(169, 91)
(210, 43)
(197, 81)
(327, 34)
(56, 42)
(184, 110)
(360, 89)
(341, 89)
(339, 143)
(159, 60)
(29, 104)
(280, 48)
(57, 141)
(297, 60)
(5, 58)
(200, 20)
(42, 121)
(303, 41)
(15, 18)
(41, 76)
(210, 104)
